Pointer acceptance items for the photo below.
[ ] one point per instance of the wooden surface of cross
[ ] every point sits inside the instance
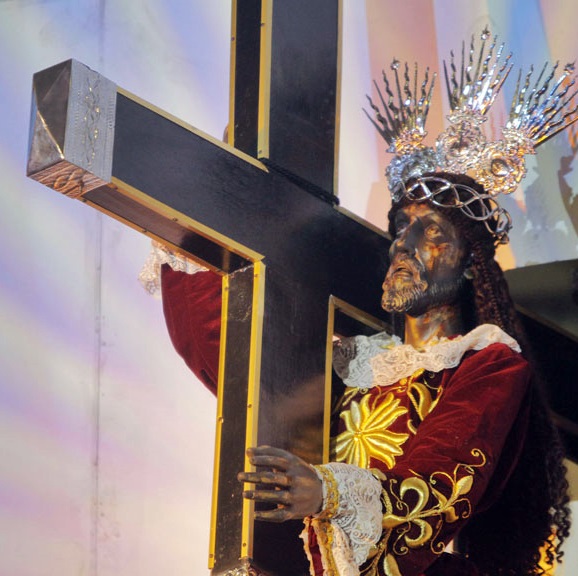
(262, 212)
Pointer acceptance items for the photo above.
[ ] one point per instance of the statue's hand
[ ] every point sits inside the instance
(286, 481)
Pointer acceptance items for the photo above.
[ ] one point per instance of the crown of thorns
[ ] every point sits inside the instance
(540, 109)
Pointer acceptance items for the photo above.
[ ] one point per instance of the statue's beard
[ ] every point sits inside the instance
(415, 296)
(396, 299)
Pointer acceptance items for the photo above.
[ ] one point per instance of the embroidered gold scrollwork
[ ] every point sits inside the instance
(416, 508)
(422, 397)
(415, 516)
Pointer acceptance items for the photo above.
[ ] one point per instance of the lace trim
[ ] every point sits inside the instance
(351, 356)
(325, 539)
(344, 561)
(150, 274)
(382, 360)
(356, 524)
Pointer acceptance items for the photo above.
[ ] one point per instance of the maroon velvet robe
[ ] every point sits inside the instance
(457, 433)
(447, 445)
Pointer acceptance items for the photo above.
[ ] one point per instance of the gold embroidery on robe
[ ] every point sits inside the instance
(367, 433)
(368, 422)
(406, 526)
(421, 397)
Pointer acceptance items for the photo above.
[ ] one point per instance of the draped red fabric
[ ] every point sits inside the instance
(192, 308)
(482, 409)
(462, 453)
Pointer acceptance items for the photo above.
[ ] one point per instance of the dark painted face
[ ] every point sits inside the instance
(427, 261)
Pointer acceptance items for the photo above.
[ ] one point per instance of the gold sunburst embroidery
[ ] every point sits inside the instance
(367, 433)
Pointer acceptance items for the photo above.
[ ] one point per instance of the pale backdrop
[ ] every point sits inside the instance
(105, 437)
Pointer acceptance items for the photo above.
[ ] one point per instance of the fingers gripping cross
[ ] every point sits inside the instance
(284, 480)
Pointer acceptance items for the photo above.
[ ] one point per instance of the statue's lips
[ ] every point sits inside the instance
(403, 271)
(405, 268)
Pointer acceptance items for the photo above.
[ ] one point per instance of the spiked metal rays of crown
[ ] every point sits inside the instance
(539, 110)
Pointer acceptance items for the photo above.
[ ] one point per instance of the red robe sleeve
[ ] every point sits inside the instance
(458, 462)
(192, 308)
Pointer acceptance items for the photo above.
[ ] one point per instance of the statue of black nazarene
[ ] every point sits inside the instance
(443, 437)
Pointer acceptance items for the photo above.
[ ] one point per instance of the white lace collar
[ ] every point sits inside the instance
(382, 360)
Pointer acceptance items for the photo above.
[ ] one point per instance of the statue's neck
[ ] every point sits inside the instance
(440, 322)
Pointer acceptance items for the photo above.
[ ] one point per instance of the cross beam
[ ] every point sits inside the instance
(293, 263)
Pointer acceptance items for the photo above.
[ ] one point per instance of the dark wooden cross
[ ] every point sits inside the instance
(261, 212)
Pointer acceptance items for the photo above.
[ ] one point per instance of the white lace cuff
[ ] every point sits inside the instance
(352, 508)
(150, 275)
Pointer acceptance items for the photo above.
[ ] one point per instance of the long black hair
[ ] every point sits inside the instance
(522, 533)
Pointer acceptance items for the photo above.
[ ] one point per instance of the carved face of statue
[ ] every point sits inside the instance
(427, 262)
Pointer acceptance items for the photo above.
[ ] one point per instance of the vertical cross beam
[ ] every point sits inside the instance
(285, 73)
(289, 257)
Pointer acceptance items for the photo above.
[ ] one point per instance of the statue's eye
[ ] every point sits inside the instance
(433, 232)
(400, 227)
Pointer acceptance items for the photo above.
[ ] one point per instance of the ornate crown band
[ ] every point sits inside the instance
(475, 205)
(539, 110)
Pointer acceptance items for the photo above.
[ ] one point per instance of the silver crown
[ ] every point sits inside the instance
(538, 112)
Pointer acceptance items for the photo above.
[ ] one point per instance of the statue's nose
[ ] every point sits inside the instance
(406, 241)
